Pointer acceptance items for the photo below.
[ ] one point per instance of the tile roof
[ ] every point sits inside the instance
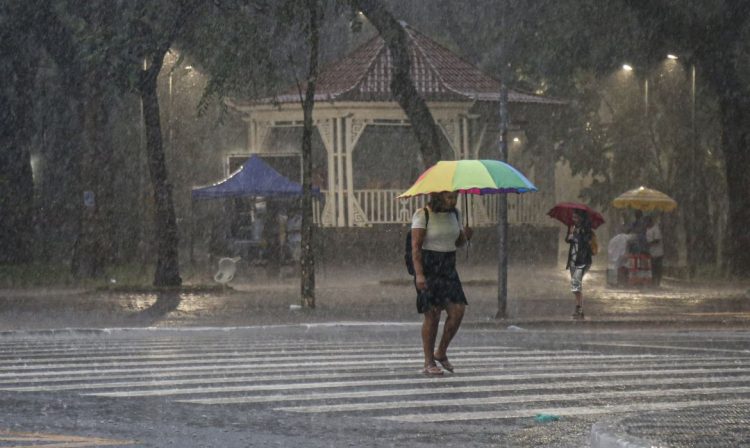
(438, 74)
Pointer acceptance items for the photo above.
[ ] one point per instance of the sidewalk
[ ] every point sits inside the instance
(537, 297)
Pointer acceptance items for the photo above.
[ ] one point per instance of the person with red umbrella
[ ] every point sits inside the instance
(581, 220)
(580, 236)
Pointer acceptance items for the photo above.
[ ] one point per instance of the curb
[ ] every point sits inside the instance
(188, 329)
(540, 324)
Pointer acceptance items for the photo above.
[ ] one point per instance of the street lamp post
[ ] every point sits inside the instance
(693, 173)
(629, 68)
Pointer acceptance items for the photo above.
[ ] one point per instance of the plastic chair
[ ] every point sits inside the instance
(227, 269)
(639, 269)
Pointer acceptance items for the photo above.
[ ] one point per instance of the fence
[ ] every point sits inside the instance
(382, 207)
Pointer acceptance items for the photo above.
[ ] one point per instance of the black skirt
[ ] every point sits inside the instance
(443, 284)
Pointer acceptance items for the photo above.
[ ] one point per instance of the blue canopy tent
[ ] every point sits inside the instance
(254, 178)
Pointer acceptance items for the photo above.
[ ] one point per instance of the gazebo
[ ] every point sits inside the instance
(359, 184)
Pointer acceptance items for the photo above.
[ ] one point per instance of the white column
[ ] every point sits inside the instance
(354, 129)
(347, 150)
(339, 146)
(325, 129)
(450, 129)
(251, 136)
(465, 152)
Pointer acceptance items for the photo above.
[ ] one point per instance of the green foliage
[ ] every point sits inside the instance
(35, 275)
(122, 277)
(250, 50)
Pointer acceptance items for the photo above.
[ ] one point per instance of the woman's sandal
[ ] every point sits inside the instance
(432, 370)
(446, 364)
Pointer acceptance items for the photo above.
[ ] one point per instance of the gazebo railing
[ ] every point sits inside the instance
(380, 206)
(530, 208)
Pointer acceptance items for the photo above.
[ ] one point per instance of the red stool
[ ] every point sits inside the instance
(639, 269)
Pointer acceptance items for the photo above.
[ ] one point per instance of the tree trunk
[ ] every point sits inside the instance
(307, 257)
(92, 249)
(735, 142)
(402, 86)
(165, 224)
(16, 182)
(62, 217)
(727, 80)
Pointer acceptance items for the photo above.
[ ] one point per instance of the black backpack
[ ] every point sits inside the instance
(407, 248)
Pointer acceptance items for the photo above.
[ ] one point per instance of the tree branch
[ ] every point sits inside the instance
(402, 87)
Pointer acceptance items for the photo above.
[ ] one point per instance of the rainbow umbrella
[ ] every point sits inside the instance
(472, 177)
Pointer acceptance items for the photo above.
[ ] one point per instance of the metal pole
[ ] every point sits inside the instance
(502, 214)
(692, 254)
(502, 209)
(192, 235)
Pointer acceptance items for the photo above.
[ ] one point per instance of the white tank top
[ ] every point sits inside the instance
(444, 229)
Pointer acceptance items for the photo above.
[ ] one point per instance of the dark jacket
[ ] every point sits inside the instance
(583, 254)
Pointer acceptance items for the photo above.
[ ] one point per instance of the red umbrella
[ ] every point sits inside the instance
(563, 212)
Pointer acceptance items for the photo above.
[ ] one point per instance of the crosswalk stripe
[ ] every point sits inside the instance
(478, 401)
(302, 361)
(27, 362)
(372, 364)
(514, 387)
(182, 346)
(669, 347)
(182, 349)
(89, 383)
(467, 365)
(561, 411)
(389, 382)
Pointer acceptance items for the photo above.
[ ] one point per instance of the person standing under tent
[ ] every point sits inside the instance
(639, 245)
(656, 249)
(436, 232)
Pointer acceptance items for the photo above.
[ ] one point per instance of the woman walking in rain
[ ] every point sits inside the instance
(436, 233)
(579, 256)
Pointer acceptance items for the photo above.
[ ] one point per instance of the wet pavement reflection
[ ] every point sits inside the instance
(536, 294)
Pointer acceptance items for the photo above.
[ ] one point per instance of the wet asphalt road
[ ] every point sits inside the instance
(356, 385)
(242, 368)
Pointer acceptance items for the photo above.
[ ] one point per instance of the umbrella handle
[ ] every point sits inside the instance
(466, 219)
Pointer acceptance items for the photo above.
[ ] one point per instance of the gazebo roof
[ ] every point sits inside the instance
(438, 74)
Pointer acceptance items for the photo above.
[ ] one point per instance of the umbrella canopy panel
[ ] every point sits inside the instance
(646, 199)
(472, 177)
(563, 212)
